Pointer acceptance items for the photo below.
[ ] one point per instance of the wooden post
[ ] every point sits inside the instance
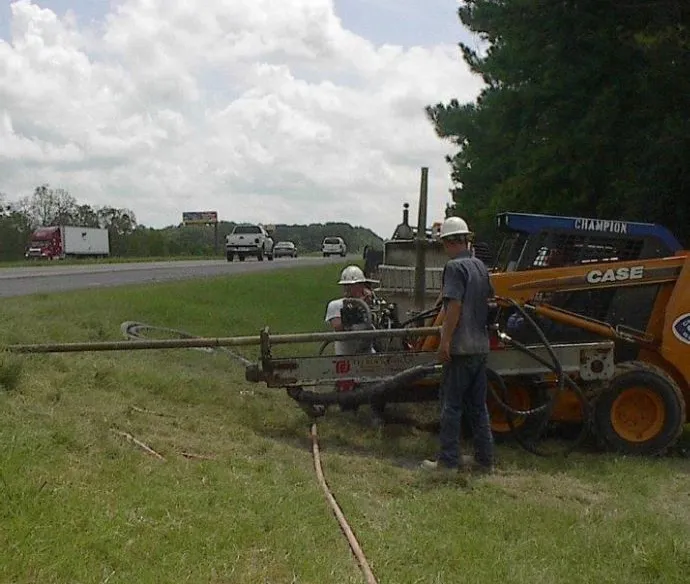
(420, 243)
(215, 237)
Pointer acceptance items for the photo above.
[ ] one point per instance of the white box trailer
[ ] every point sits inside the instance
(85, 241)
(61, 241)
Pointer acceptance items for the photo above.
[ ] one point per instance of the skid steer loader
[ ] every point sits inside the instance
(643, 306)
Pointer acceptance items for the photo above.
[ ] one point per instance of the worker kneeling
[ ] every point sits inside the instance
(349, 313)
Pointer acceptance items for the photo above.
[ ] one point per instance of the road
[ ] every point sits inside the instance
(46, 279)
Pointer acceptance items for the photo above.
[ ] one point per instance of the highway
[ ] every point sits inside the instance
(45, 279)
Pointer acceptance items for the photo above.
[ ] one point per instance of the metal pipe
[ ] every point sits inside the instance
(420, 243)
(217, 342)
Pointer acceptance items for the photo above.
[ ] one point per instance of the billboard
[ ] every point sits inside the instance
(199, 217)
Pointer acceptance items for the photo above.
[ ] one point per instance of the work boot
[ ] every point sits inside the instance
(470, 463)
(467, 461)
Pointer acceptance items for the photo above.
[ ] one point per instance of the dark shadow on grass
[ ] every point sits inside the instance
(357, 433)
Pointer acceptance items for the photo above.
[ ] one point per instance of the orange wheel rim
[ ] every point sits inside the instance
(638, 414)
(518, 398)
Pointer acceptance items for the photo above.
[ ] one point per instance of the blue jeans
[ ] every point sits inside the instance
(464, 386)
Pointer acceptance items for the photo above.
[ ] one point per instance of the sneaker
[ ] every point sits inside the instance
(433, 465)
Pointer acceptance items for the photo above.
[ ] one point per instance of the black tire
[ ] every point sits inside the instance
(661, 394)
(240, 257)
(229, 257)
(260, 256)
(325, 255)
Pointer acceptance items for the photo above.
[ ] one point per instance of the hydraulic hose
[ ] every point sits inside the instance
(134, 330)
(421, 316)
(365, 394)
(547, 408)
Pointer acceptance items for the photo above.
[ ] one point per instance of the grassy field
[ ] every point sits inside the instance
(236, 498)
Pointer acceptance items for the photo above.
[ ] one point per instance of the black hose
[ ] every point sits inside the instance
(366, 394)
(563, 379)
(133, 330)
(421, 316)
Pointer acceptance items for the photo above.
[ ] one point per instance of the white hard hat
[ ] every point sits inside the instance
(352, 275)
(454, 226)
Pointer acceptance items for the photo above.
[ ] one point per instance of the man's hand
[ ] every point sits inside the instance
(444, 351)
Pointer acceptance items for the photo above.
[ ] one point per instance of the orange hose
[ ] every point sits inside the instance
(354, 545)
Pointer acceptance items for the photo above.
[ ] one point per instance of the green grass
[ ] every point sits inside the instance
(81, 503)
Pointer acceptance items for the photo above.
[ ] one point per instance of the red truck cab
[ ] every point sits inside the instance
(46, 243)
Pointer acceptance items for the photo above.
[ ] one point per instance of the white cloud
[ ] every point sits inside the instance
(264, 110)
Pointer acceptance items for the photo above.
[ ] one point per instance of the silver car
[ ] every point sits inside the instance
(284, 249)
(333, 246)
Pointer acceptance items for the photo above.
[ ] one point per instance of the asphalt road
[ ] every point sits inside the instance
(47, 279)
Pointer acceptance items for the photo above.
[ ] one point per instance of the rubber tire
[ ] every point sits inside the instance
(229, 257)
(241, 257)
(270, 257)
(325, 255)
(636, 373)
(260, 256)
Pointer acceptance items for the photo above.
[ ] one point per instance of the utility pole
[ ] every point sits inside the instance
(421, 243)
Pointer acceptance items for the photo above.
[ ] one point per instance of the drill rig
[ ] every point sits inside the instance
(591, 329)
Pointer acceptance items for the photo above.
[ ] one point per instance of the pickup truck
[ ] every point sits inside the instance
(253, 240)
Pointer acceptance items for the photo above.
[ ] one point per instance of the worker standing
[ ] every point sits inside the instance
(463, 350)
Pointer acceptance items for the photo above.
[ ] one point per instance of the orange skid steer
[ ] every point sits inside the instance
(641, 407)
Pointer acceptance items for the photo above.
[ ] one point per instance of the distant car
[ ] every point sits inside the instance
(333, 246)
(284, 249)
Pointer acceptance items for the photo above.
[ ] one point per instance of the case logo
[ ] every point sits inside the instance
(681, 328)
(618, 275)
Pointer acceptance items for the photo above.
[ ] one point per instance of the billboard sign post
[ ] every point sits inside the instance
(203, 218)
(200, 217)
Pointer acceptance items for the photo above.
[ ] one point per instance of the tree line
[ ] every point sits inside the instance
(47, 207)
(584, 112)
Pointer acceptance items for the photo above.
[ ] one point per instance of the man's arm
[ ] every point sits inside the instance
(451, 320)
(454, 292)
(333, 315)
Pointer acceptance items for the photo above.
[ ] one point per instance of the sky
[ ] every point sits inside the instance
(272, 111)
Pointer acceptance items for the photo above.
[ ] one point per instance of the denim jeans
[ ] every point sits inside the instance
(464, 387)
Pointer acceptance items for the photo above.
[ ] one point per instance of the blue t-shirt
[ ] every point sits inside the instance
(466, 279)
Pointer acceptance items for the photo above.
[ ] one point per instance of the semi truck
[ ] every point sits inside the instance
(63, 241)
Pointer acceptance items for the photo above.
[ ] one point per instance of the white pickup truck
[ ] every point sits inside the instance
(253, 240)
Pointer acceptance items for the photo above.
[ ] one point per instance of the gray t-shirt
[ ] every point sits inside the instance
(466, 279)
